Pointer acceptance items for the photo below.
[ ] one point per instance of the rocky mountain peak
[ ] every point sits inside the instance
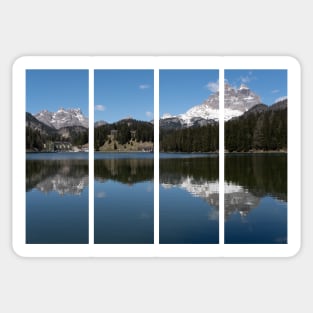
(63, 118)
(236, 102)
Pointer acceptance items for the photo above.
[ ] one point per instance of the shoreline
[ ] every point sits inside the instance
(233, 152)
(114, 151)
(170, 152)
(258, 152)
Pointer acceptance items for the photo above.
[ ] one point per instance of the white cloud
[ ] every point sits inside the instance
(100, 107)
(149, 114)
(275, 90)
(144, 86)
(247, 79)
(213, 86)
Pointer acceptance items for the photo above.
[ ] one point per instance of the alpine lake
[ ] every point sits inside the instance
(255, 198)
(57, 198)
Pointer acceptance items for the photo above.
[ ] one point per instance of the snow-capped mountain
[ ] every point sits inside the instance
(236, 102)
(62, 118)
(241, 99)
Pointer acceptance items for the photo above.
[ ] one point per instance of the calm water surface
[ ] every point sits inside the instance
(124, 198)
(189, 198)
(57, 198)
(256, 199)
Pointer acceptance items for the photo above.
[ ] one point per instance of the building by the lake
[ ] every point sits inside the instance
(55, 146)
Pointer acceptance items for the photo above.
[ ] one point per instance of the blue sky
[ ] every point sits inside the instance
(270, 85)
(182, 89)
(54, 89)
(123, 93)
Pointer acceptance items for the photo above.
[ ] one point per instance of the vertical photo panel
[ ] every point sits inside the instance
(189, 160)
(256, 156)
(123, 159)
(56, 156)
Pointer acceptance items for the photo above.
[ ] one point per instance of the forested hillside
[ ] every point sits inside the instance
(124, 132)
(258, 129)
(192, 139)
(262, 128)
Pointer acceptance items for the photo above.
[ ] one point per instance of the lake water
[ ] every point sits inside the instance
(57, 198)
(189, 199)
(256, 198)
(124, 198)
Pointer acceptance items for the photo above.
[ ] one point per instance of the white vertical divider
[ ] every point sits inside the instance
(156, 155)
(221, 156)
(91, 155)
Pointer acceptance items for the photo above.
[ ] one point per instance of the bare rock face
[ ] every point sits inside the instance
(236, 102)
(63, 118)
(242, 99)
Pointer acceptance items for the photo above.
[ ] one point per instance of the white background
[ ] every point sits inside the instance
(135, 27)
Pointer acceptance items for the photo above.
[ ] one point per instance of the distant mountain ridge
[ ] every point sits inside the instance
(35, 124)
(259, 108)
(236, 103)
(39, 133)
(62, 118)
(100, 123)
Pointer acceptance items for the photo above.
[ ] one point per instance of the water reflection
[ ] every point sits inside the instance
(255, 199)
(126, 171)
(257, 211)
(60, 176)
(260, 173)
(56, 201)
(184, 216)
(237, 198)
(124, 201)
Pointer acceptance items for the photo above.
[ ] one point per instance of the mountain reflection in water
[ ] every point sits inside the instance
(60, 176)
(56, 199)
(257, 212)
(237, 199)
(184, 217)
(247, 180)
(255, 197)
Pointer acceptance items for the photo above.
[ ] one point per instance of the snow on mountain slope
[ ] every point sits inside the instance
(63, 118)
(236, 102)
